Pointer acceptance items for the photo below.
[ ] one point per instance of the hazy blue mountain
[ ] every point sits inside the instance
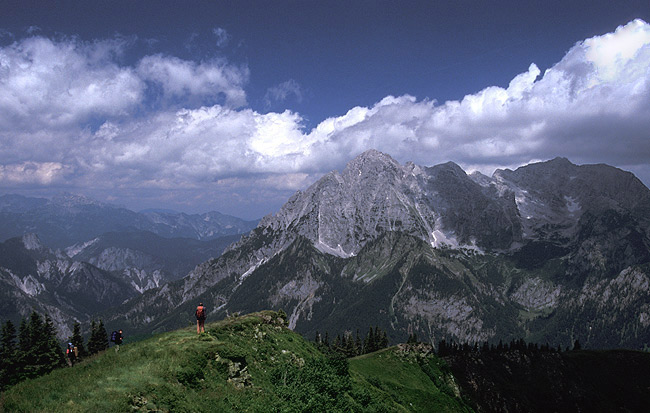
(146, 259)
(69, 219)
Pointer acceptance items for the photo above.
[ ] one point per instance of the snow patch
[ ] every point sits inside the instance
(77, 248)
(338, 251)
(440, 239)
(248, 272)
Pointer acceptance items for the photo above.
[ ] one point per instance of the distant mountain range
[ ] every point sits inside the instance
(73, 257)
(69, 219)
(83, 280)
(549, 252)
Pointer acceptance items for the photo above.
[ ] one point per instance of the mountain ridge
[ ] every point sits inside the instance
(495, 257)
(68, 219)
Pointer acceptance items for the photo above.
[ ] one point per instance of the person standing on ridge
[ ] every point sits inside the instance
(200, 319)
(118, 340)
(71, 351)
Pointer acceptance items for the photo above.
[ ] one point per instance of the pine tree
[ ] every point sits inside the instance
(92, 346)
(350, 348)
(369, 345)
(38, 349)
(383, 340)
(336, 346)
(77, 340)
(29, 342)
(23, 348)
(377, 339)
(8, 350)
(102, 336)
(98, 338)
(51, 355)
(358, 344)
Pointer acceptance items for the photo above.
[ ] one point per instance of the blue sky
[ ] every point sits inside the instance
(233, 106)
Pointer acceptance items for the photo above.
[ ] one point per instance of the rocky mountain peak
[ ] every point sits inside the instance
(372, 163)
(67, 199)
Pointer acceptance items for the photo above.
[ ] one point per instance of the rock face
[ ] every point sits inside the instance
(34, 277)
(374, 194)
(145, 259)
(551, 251)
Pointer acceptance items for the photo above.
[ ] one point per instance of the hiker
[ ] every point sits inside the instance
(200, 319)
(71, 352)
(117, 337)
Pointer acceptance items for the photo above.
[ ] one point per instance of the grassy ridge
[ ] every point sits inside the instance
(248, 363)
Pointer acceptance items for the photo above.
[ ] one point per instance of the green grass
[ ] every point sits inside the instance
(406, 381)
(248, 363)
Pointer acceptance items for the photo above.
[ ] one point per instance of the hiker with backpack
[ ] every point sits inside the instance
(71, 352)
(200, 319)
(117, 337)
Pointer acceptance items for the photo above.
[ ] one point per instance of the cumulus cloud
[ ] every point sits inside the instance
(46, 84)
(50, 84)
(592, 106)
(182, 79)
(283, 91)
(28, 173)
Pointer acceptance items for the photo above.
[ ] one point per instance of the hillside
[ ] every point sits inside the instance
(248, 363)
(255, 363)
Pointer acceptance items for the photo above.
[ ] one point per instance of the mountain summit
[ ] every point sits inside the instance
(543, 252)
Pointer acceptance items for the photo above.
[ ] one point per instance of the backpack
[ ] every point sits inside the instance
(114, 336)
(200, 313)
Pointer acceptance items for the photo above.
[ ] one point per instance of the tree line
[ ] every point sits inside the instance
(349, 346)
(33, 350)
(448, 348)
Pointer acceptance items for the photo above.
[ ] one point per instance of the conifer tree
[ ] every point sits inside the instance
(51, 355)
(102, 336)
(77, 340)
(38, 349)
(8, 350)
(369, 345)
(337, 343)
(358, 344)
(383, 340)
(98, 338)
(93, 347)
(377, 339)
(29, 340)
(350, 349)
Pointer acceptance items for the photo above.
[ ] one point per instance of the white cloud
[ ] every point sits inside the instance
(282, 92)
(597, 97)
(592, 106)
(27, 173)
(46, 84)
(182, 79)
